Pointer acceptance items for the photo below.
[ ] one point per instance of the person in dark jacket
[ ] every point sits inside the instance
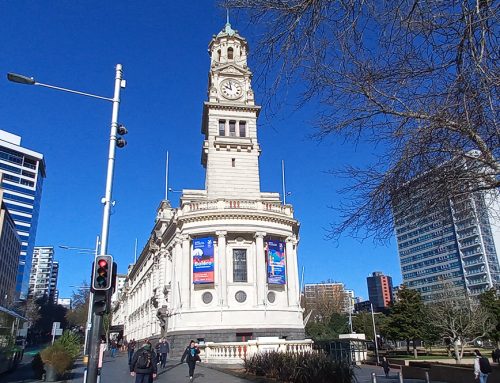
(163, 348)
(191, 356)
(386, 366)
(131, 350)
(143, 365)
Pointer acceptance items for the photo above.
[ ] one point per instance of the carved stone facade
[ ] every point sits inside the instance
(161, 295)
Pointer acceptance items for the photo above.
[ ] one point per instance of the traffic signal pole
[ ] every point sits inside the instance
(96, 330)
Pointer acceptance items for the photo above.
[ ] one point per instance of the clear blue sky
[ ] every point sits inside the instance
(163, 49)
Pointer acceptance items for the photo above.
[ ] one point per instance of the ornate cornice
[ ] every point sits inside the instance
(214, 215)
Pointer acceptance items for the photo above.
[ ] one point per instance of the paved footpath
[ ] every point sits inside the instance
(116, 370)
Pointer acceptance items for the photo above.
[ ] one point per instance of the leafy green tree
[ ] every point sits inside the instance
(328, 330)
(77, 316)
(362, 323)
(490, 301)
(48, 312)
(407, 318)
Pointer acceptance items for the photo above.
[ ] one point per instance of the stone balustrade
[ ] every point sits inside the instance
(237, 352)
(235, 204)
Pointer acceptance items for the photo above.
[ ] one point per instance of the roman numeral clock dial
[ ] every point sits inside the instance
(231, 89)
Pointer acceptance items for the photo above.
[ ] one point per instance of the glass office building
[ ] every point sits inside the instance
(451, 249)
(23, 174)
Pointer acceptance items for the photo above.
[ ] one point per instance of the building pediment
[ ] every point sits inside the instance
(231, 70)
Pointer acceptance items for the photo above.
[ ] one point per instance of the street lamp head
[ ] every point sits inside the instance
(20, 79)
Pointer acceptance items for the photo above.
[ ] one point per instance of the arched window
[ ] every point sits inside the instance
(218, 55)
(230, 53)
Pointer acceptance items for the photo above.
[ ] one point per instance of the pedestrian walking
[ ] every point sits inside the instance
(163, 349)
(386, 366)
(143, 365)
(191, 357)
(131, 349)
(481, 367)
(497, 355)
(114, 346)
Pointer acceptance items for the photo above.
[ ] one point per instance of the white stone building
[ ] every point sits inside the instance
(222, 266)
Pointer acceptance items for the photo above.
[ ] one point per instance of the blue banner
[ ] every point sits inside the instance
(275, 256)
(203, 260)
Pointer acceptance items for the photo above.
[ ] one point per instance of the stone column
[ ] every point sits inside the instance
(177, 277)
(291, 273)
(222, 266)
(187, 272)
(261, 268)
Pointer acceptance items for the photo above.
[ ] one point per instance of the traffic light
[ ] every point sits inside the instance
(100, 305)
(121, 131)
(102, 277)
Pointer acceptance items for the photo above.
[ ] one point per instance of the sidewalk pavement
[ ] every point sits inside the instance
(117, 370)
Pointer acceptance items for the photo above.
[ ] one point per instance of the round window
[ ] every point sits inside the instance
(271, 296)
(207, 297)
(240, 296)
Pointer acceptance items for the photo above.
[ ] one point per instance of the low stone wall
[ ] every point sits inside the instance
(447, 373)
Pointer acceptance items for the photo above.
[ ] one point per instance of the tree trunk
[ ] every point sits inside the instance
(408, 346)
(415, 353)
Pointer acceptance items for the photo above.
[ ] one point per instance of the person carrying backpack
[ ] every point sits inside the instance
(191, 357)
(481, 367)
(143, 365)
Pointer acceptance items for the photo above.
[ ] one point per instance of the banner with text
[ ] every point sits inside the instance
(203, 260)
(275, 256)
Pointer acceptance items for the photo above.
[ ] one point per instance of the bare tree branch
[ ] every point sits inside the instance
(419, 78)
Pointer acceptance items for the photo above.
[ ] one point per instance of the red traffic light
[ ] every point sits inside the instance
(102, 274)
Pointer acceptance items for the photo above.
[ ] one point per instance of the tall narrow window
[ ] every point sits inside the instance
(230, 53)
(232, 128)
(233, 162)
(218, 55)
(239, 265)
(222, 127)
(243, 129)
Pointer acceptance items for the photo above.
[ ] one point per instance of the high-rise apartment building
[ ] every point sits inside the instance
(379, 291)
(44, 273)
(329, 297)
(10, 246)
(24, 171)
(451, 249)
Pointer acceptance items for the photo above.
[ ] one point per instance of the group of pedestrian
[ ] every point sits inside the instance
(143, 362)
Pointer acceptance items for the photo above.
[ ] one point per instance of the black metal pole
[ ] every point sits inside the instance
(94, 346)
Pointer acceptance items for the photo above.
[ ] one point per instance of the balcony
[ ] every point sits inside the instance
(235, 205)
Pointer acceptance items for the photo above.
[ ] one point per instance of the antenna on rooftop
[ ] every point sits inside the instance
(166, 178)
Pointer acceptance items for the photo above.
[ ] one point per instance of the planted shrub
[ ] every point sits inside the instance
(71, 343)
(58, 357)
(299, 368)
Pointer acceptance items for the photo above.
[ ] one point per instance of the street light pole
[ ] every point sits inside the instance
(96, 328)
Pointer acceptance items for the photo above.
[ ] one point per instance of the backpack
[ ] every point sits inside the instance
(484, 365)
(144, 360)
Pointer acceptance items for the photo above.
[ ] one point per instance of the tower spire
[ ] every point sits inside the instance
(227, 16)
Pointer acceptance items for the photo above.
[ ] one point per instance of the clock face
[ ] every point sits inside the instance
(231, 89)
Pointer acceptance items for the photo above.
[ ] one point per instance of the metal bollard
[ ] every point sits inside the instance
(400, 376)
(374, 378)
(427, 380)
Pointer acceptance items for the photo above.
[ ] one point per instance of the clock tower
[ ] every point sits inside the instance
(230, 151)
